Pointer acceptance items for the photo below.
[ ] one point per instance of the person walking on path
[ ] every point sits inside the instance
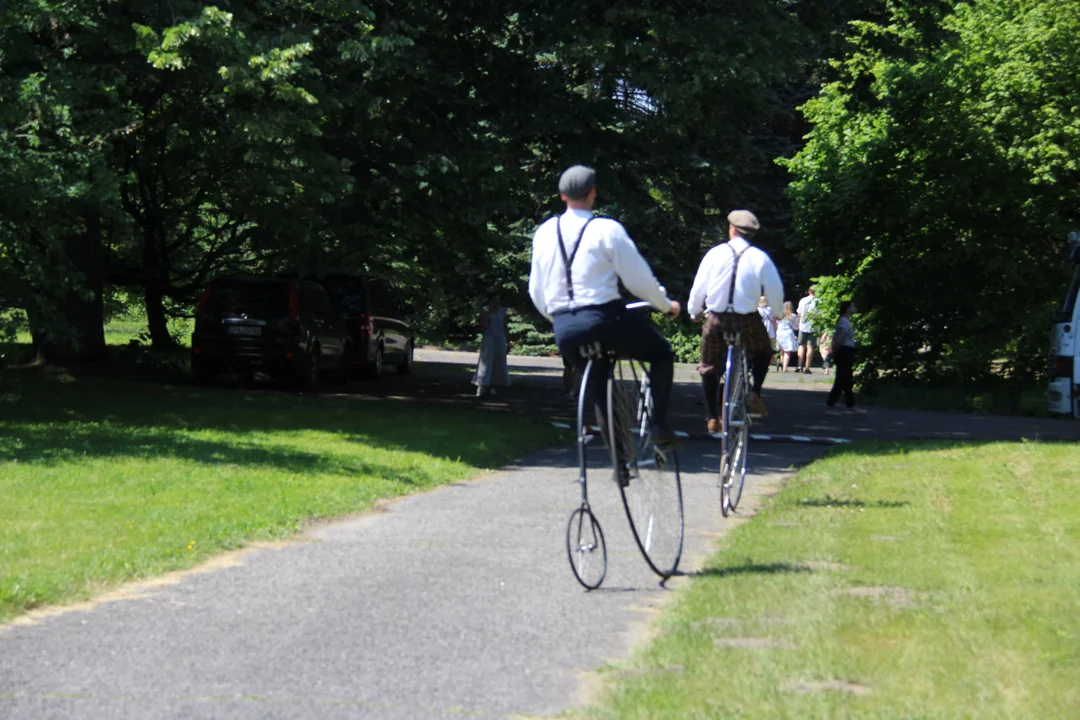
(825, 348)
(787, 335)
(843, 342)
(729, 282)
(807, 339)
(578, 260)
(767, 317)
(491, 367)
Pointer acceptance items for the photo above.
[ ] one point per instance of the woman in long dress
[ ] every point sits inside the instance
(491, 367)
(786, 336)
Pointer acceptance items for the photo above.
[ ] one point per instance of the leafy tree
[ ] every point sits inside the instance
(939, 180)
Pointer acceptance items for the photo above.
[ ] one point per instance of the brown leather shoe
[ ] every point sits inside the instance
(713, 425)
(756, 405)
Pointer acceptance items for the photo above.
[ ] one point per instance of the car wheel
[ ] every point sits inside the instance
(202, 375)
(341, 377)
(309, 369)
(405, 368)
(374, 370)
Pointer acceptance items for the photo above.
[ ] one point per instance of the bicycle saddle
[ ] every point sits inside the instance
(596, 351)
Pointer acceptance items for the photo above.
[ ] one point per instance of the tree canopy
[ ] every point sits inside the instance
(151, 146)
(940, 180)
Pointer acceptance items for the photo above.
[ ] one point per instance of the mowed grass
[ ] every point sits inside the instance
(886, 581)
(107, 481)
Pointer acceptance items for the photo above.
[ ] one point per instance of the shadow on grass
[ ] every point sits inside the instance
(51, 418)
(864, 448)
(830, 501)
(751, 569)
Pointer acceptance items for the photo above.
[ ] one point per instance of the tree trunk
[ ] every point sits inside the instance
(82, 308)
(156, 319)
(157, 282)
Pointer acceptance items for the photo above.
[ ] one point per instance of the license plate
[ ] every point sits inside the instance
(243, 330)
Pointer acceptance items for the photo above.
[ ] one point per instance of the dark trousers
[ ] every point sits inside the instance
(844, 382)
(713, 387)
(627, 332)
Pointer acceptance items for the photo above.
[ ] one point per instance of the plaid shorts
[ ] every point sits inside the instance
(755, 337)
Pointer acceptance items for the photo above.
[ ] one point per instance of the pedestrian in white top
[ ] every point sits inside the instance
(807, 338)
(578, 260)
(731, 279)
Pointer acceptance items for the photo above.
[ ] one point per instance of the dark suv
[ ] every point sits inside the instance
(380, 335)
(279, 327)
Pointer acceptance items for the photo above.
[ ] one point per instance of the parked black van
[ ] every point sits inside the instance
(381, 337)
(280, 327)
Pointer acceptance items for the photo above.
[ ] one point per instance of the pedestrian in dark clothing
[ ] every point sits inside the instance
(843, 344)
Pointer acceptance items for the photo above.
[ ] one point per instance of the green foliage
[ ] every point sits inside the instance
(684, 336)
(417, 141)
(938, 183)
(991, 396)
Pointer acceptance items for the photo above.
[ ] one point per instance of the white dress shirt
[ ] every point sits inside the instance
(757, 276)
(607, 255)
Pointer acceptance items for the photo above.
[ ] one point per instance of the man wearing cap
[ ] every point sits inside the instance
(729, 284)
(578, 260)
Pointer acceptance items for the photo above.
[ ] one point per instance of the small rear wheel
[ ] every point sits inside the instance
(586, 549)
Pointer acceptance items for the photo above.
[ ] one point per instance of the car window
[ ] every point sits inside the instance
(267, 299)
(348, 294)
(322, 303)
(383, 299)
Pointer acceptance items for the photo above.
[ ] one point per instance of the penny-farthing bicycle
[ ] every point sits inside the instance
(735, 428)
(647, 475)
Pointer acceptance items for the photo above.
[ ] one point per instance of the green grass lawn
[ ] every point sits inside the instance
(105, 481)
(1002, 399)
(886, 581)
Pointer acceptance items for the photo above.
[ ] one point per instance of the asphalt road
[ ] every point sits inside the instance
(456, 602)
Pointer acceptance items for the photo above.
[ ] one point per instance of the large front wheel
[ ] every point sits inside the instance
(736, 431)
(647, 475)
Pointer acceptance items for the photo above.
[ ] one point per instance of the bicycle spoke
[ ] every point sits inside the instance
(651, 489)
(586, 548)
(736, 427)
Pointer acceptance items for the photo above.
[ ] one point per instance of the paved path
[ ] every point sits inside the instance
(455, 602)
(796, 402)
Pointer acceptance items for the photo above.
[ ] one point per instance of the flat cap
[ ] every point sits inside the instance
(577, 181)
(744, 220)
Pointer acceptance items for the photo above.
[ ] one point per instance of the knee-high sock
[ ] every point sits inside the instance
(759, 368)
(710, 385)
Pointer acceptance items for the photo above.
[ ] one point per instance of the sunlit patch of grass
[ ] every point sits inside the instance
(888, 580)
(106, 481)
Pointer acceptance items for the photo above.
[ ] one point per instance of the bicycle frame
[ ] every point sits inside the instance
(734, 343)
(583, 435)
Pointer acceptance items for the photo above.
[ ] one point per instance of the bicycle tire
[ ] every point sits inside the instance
(650, 485)
(736, 431)
(586, 549)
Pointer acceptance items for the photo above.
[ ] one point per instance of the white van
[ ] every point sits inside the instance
(1064, 391)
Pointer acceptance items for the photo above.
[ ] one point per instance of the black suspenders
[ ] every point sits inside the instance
(568, 260)
(734, 275)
